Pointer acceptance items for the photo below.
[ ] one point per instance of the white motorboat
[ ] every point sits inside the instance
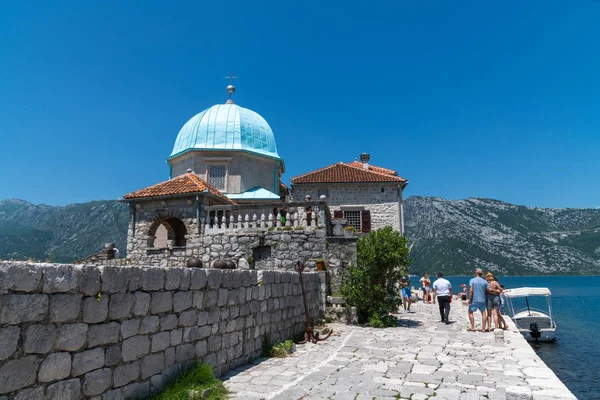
(524, 307)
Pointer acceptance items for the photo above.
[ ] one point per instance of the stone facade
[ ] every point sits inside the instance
(245, 171)
(381, 199)
(122, 332)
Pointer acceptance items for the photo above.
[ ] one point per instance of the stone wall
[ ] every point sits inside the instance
(72, 331)
(381, 199)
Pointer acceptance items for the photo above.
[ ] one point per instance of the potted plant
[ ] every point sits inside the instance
(350, 230)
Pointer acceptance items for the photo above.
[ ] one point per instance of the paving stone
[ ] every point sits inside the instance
(420, 359)
(55, 366)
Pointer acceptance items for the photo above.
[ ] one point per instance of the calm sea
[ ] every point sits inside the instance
(575, 355)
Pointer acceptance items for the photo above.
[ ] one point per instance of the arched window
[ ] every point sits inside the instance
(165, 229)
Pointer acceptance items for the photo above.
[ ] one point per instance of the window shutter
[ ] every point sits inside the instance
(338, 214)
(365, 216)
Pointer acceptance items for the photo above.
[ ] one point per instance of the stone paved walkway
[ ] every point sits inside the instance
(421, 359)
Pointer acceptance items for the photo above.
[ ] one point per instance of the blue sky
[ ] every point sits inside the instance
(465, 99)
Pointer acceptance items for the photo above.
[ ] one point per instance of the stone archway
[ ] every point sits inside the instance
(167, 230)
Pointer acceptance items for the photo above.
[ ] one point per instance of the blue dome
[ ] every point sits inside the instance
(227, 127)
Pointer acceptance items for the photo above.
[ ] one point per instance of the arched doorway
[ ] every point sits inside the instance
(166, 229)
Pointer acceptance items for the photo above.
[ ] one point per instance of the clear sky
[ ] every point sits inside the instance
(496, 99)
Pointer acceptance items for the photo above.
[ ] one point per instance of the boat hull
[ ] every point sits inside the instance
(546, 335)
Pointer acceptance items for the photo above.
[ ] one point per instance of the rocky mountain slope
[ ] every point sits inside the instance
(454, 236)
(60, 234)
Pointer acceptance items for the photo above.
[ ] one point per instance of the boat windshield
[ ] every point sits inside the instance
(528, 304)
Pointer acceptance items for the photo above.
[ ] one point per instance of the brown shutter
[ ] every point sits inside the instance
(338, 214)
(365, 216)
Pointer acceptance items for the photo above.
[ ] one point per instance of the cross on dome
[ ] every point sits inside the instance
(230, 87)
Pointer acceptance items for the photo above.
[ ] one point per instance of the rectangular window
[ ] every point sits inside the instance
(216, 176)
(323, 192)
(353, 218)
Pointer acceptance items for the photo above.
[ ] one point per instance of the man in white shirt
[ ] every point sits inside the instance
(443, 290)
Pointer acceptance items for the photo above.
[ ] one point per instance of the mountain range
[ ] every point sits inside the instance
(453, 236)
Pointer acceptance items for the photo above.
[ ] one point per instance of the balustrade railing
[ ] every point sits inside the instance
(266, 216)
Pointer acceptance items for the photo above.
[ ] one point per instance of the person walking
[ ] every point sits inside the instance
(442, 288)
(478, 288)
(406, 295)
(426, 286)
(493, 301)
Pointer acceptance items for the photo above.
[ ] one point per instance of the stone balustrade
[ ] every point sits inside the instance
(266, 216)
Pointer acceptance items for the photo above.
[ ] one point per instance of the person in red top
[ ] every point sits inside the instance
(426, 286)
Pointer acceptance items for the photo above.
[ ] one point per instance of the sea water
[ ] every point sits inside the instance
(575, 354)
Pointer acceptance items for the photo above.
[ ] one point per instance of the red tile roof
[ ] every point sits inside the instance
(374, 168)
(346, 173)
(182, 184)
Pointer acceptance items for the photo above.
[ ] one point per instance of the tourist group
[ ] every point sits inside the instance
(483, 295)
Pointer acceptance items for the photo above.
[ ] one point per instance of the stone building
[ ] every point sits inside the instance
(225, 200)
(366, 196)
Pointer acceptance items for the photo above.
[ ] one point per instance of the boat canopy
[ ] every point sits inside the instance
(526, 292)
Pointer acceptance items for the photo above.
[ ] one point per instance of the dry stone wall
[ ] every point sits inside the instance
(74, 332)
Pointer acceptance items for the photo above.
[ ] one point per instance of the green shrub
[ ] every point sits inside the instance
(282, 349)
(271, 229)
(382, 321)
(287, 228)
(382, 260)
(196, 383)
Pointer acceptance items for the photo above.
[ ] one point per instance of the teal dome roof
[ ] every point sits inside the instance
(226, 127)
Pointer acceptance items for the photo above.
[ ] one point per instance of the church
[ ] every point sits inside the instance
(225, 198)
